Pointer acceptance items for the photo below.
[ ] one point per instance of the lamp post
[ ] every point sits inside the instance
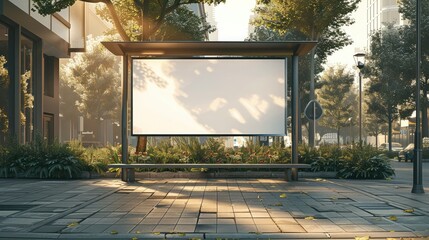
(360, 63)
(417, 161)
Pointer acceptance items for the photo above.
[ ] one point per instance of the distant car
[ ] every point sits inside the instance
(396, 147)
(407, 153)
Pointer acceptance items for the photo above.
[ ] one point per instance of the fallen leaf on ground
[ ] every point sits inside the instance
(309, 218)
(283, 195)
(73, 224)
(114, 232)
(278, 204)
(134, 238)
(410, 210)
(393, 218)
(156, 233)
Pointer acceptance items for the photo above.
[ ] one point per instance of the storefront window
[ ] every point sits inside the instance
(27, 98)
(4, 84)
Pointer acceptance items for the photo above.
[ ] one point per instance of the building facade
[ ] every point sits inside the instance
(30, 48)
(381, 13)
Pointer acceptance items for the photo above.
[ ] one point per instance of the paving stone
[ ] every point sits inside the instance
(226, 228)
(169, 220)
(96, 228)
(226, 221)
(143, 228)
(164, 228)
(49, 229)
(293, 228)
(187, 221)
(108, 220)
(150, 220)
(242, 215)
(267, 228)
(120, 228)
(207, 221)
(313, 228)
(21, 221)
(129, 220)
(206, 228)
(185, 228)
(246, 228)
(225, 215)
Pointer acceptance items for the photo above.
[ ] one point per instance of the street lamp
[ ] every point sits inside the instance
(360, 63)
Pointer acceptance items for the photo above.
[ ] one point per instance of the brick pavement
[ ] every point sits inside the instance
(210, 209)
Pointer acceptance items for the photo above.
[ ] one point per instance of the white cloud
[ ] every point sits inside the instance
(197, 72)
(209, 69)
(281, 80)
(254, 105)
(217, 104)
(237, 115)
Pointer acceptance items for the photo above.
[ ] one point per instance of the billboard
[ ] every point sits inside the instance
(208, 96)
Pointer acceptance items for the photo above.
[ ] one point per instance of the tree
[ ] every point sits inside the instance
(388, 86)
(94, 78)
(319, 20)
(375, 124)
(129, 16)
(408, 10)
(337, 99)
(143, 20)
(262, 33)
(4, 84)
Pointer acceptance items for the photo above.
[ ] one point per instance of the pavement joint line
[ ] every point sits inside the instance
(71, 210)
(390, 202)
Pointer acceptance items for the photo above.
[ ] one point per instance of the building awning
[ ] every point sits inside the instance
(194, 49)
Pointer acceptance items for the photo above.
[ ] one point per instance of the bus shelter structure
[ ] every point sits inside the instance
(287, 50)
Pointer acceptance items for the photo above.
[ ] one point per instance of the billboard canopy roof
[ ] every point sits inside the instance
(195, 49)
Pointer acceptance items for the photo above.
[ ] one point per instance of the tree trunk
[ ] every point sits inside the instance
(376, 140)
(142, 140)
(141, 144)
(390, 128)
(311, 123)
(338, 137)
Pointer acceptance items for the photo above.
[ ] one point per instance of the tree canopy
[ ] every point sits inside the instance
(94, 78)
(130, 16)
(319, 20)
(337, 98)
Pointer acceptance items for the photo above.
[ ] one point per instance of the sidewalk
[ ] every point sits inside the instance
(213, 209)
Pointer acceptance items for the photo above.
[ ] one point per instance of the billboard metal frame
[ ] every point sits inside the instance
(130, 50)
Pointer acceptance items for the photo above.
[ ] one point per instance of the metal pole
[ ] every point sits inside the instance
(124, 119)
(417, 163)
(295, 115)
(360, 107)
(312, 123)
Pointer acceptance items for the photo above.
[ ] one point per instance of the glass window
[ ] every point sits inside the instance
(4, 83)
(27, 98)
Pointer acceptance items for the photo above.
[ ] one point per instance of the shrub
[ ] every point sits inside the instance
(328, 160)
(364, 162)
(42, 160)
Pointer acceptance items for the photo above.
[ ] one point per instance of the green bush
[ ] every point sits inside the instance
(364, 162)
(41, 160)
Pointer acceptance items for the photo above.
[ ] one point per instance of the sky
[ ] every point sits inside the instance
(232, 20)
